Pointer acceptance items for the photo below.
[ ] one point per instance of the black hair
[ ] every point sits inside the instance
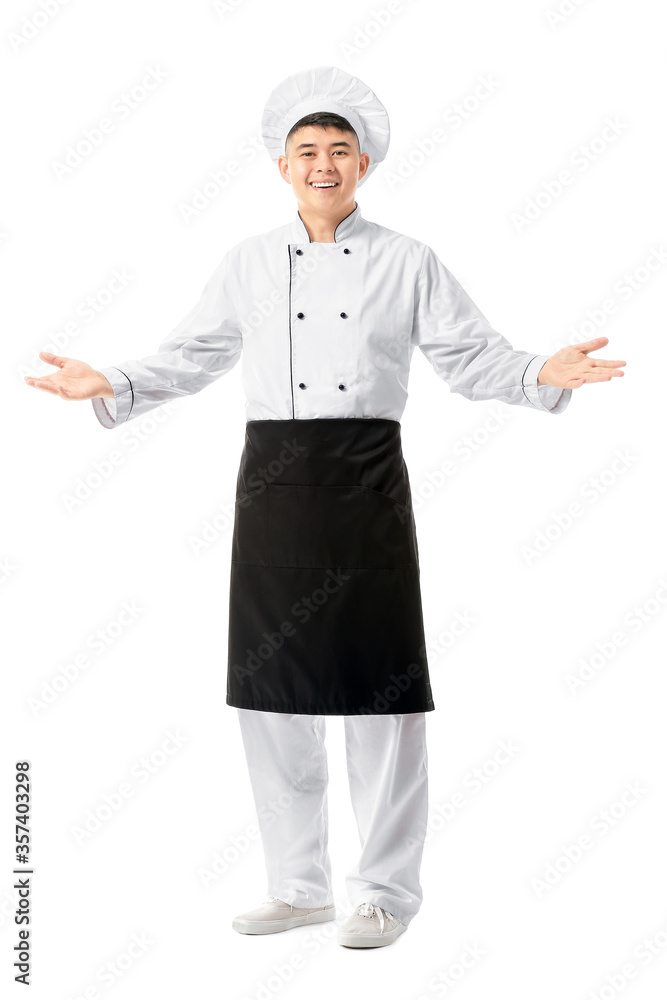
(324, 119)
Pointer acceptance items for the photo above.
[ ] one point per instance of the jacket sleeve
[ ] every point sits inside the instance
(465, 351)
(205, 344)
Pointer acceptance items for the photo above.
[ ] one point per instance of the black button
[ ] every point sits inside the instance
(344, 315)
(302, 385)
(299, 315)
(346, 250)
(299, 251)
(341, 386)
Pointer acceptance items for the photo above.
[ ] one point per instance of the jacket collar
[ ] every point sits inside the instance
(344, 228)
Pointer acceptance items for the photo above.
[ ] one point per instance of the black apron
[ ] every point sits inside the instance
(325, 614)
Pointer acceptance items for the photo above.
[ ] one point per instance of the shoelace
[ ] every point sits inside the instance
(369, 910)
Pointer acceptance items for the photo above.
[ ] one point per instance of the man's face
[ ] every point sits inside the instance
(316, 155)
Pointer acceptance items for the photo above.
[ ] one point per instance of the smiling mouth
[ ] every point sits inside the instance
(323, 185)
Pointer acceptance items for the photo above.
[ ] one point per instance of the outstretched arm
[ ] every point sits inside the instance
(479, 363)
(205, 344)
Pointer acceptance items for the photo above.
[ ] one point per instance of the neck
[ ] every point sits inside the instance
(322, 226)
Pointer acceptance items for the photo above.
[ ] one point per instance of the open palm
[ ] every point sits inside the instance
(74, 379)
(571, 367)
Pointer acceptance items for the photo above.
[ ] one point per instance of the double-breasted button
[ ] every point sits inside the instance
(302, 385)
(299, 315)
(346, 250)
(344, 315)
(299, 251)
(341, 386)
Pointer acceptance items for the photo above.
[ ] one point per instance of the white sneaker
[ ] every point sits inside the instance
(274, 915)
(370, 926)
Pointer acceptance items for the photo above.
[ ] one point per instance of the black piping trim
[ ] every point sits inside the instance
(289, 316)
(523, 389)
(131, 390)
(305, 226)
(342, 221)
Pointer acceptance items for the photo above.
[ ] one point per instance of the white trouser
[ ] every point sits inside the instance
(387, 766)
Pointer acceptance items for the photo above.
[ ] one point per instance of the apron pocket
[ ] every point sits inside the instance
(389, 533)
(249, 538)
(315, 526)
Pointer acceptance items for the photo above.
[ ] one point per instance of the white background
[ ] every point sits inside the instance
(68, 570)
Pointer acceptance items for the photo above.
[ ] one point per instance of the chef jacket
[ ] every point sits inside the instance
(328, 330)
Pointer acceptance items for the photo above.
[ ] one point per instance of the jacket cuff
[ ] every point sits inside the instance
(545, 397)
(114, 411)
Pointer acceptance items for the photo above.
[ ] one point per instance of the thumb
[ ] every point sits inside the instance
(53, 359)
(591, 345)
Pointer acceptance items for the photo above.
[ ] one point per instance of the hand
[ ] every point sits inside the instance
(569, 368)
(75, 380)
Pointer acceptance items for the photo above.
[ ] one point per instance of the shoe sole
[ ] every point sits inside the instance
(282, 924)
(369, 940)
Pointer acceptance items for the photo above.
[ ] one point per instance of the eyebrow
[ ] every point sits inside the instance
(305, 145)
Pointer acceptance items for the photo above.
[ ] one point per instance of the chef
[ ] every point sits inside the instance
(325, 614)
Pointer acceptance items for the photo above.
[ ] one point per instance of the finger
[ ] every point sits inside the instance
(40, 383)
(594, 370)
(600, 363)
(593, 377)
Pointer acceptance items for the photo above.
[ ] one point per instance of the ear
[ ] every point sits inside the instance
(283, 167)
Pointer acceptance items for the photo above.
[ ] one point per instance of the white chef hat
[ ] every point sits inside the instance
(326, 88)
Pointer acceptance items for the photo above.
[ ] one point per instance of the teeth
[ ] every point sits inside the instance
(316, 185)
